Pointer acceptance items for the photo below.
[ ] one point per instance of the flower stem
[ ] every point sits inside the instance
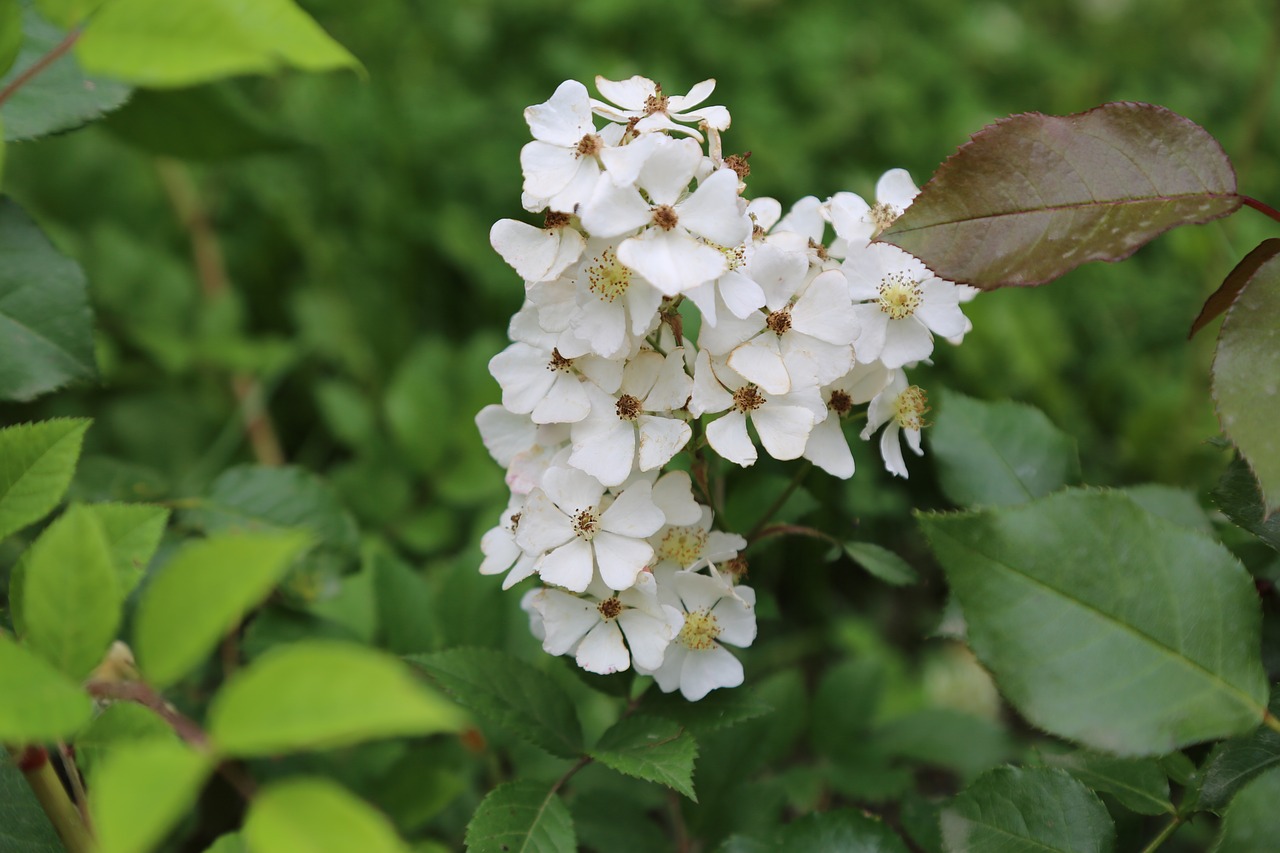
(1260, 207)
(56, 53)
(1163, 836)
(781, 499)
(45, 784)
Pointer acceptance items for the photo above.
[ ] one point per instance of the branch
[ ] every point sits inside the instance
(782, 499)
(62, 813)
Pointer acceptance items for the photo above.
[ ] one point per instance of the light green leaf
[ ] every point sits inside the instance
(1138, 783)
(881, 563)
(1177, 505)
(24, 828)
(320, 694)
(650, 748)
(36, 465)
(45, 320)
(67, 13)
(60, 97)
(317, 816)
(40, 703)
(995, 454)
(133, 534)
(230, 843)
(258, 497)
(510, 692)
(1105, 624)
(119, 724)
(201, 594)
(1252, 823)
(521, 816)
(1014, 810)
(1246, 370)
(71, 596)
(141, 792)
(166, 43)
(10, 34)
(1033, 196)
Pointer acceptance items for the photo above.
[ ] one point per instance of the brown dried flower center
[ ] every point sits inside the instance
(556, 219)
(628, 408)
(586, 524)
(779, 322)
(589, 145)
(609, 608)
(882, 215)
(664, 216)
(559, 362)
(655, 103)
(840, 402)
(747, 399)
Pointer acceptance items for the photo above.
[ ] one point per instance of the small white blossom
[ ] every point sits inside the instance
(538, 254)
(641, 99)
(561, 166)
(827, 447)
(502, 553)
(547, 386)
(903, 408)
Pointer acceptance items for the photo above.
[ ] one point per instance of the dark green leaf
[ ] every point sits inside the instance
(511, 693)
(1138, 783)
(1252, 823)
(36, 464)
(319, 694)
(650, 748)
(202, 123)
(403, 602)
(844, 830)
(258, 497)
(1032, 196)
(1238, 496)
(141, 792)
(71, 597)
(521, 816)
(718, 709)
(23, 825)
(40, 703)
(1234, 762)
(882, 563)
(1014, 810)
(1235, 281)
(1177, 505)
(995, 454)
(45, 320)
(60, 97)
(941, 737)
(318, 816)
(1246, 378)
(1081, 604)
(201, 594)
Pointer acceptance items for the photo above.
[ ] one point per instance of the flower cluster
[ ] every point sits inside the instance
(802, 321)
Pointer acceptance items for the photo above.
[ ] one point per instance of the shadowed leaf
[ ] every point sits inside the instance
(1234, 282)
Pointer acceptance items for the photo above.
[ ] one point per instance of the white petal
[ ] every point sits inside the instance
(661, 439)
(565, 403)
(699, 93)
(699, 592)
(613, 210)
(940, 310)
(712, 211)
(778, 272)
(500, 550)
(891, 450)
(640, 373)
(620, 558)
(647, 636)
(729, 331)
(563, 119)
(728, 437)
(905, 341)
(704, 671)
(825, 310)
(849, 217)
(672, 261)
(736, 618)
(760, 361)
(873, 325)
(633, 514)
(672, 387)
(812, 363)
(630, 94)
(566, 619)
(504, 433)
(642, 300)
(623, 163)
(570, 566)
(603, 325)
(602, 650)
(783, 430)
(606, 373)
(741, 294)
(673, 494)
(536, 254)
(522, 372)
(828, 449)
(804, 218)
(669, 169)
(548, 169)
(542, 525)
(896, 188)
(709, 396)
(667, 676)
(605, 448)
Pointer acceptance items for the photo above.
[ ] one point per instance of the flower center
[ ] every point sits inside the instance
(738, 162)
(589, 145)
(628, 408)
(735, 568)
(779, 322)
(655, 103)
(609, 608)
(840, 402)
(559, 362)
(682, 545)
(899, 296)
(910, 407)
(607, 278)
(664, 216)
(515, 521)
(735, 256)
(700, 631)
(882, 215)
(556, 219)
(747, 399)
(586, 524)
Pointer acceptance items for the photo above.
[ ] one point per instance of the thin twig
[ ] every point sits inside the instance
(1163, 836)
(56, 53)
(782, 499)
(1260, 207)
(794, 530)
(77, 783)
(52, 796)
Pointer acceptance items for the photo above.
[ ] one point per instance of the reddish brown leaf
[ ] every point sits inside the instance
(1236, 279)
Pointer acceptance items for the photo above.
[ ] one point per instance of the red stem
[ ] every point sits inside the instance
(1260, 207)
(40, 64)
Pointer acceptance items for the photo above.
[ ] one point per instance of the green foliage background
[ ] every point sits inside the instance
(353, 217)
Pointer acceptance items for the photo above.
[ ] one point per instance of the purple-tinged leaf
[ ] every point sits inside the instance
(1246, 377)
(1032, 196)
(1234, 282)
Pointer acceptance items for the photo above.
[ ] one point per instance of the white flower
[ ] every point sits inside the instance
(547, 386)
(670, 252)
(642, 99)
(561, 165)
(715, 612)
(577, 530)
(907, 306)
(537, 254)
(593, 627)
(692, 546)
(827, 447)
(856, 223)
(612, 304)
(501, 553)
(903, 408)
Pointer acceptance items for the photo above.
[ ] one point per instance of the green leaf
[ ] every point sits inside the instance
(133, 534)
(1235, 281)
(258, 497)
(202, 123)
(232, 842)
(167, 43)
(61, 96)
(845, 830)
(321, 694)
(141, 792)
(317, 816)
(201, 595)
(402, 598)
(36, 465)
(717, 710)
(71, 597)
(1235, 762)
(882, 563)
(1177, 505)
(1138, 783)
(45, 320)
(1252, 824)
(1246, 370)
(521, 816)
(40, 703)
(67, 13)
(24, 828)
(511, 693)
(996, 454)
(650, 748)
(1034, 810)
(1238, 496)
(1105, 624)
(942, 737)
(1033, 196)
(10, 33)
(120, 724)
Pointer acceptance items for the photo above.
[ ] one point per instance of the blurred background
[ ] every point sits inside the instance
(359, 298)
